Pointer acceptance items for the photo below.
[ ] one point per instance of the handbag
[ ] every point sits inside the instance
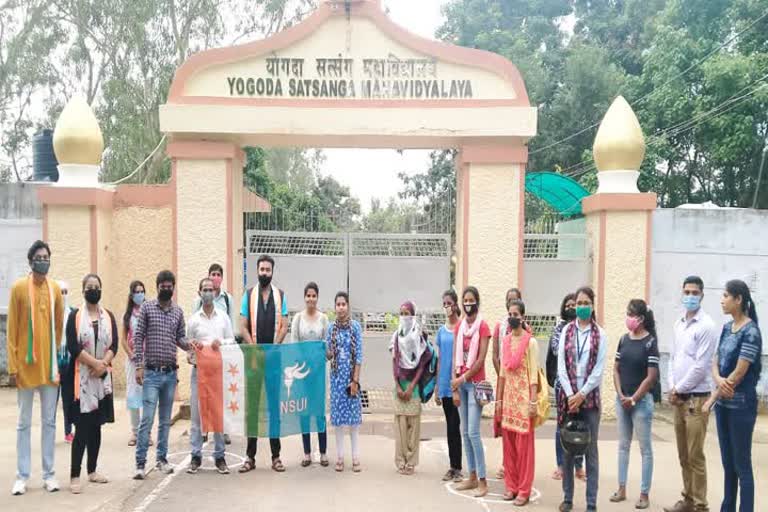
(483, 393)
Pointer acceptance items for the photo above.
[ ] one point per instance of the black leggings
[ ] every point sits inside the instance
(453, 427)
(322, 440)
(87, 435)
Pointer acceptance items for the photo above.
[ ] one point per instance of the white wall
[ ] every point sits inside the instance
(717, 245)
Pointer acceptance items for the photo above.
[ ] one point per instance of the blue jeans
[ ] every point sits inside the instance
(592, 417)
(734, 430)
(637, 420)
(559, 452)
(158, 389)
(195, 431)
(48, 399)
(470, 413)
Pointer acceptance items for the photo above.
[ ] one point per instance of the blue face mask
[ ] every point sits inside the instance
(691, 302)
(138, 298)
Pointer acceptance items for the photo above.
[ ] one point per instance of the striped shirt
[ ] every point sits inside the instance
(158, 332)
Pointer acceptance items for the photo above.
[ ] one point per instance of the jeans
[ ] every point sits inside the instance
(592, 417)
(195, 431)
(157, 393)
(734, 430)
(87, 435)
(322, 440)
(637, 420)
(453, 432)
(470, 412)
(48, 399)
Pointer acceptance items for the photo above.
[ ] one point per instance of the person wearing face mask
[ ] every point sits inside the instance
(264, 319)
(222, 300)
(567, 315)
(209, 327)
(635, 373)
(34, 328)
(409, 357)
(519, 362)
(65, 366)
(159, 333)
(470, 349)
(92, 343)
(580, 363)
(133, 392)
(444, 396)
(690, 385)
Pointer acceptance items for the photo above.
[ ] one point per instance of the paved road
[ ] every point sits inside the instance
(377, 488)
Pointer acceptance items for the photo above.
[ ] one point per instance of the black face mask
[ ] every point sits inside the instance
(264, 280)
(570, 314)
(515, 322)
(164, 295)
(470, 309)
(92, 296)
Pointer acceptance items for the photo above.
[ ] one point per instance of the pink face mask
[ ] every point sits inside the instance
(633, 323)
(216, 282)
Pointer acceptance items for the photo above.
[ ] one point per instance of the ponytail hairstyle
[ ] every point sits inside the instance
(738, 288)
(639, 307)
(129, 307)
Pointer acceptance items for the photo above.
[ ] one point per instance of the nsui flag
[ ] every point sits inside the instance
(262, 390)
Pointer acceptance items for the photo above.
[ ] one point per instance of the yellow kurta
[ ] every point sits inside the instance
(35, 374)
(517, 390)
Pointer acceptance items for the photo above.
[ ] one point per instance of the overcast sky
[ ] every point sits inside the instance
(371, 173)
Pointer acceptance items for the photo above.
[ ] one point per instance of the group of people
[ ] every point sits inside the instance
(54, 350)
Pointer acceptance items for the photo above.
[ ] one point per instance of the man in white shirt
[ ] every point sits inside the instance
(209, 327)
(690, 385)
(222, 300)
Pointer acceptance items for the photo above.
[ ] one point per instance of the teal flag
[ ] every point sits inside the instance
(284, 389)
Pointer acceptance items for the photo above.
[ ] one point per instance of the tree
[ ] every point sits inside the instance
(433, 194)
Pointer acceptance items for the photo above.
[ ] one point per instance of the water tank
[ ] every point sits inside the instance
(44, 163)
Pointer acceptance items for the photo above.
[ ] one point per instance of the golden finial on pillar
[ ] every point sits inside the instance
(78, 144)
(619, 149)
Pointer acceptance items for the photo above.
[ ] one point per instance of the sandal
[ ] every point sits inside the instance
(521, 501)
(642, 504)
(617, 497)
(248, 465)
(557, 474)
(500, 473)
(509, 496)
(306, 461)
(277, 465)
(409, 470)
(357, 467)
(339, 466)
(581, 474)
(324, 460)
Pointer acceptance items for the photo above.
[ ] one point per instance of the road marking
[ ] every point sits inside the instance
(152, 496)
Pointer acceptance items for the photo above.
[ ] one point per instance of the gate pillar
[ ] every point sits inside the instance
(619, 221)
(490, 217)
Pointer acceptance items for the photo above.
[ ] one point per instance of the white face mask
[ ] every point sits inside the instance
(406, 324)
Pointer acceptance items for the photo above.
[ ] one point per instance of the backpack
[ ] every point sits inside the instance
(428, 379)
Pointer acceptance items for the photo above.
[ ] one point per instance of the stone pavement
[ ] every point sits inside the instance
(377, 488)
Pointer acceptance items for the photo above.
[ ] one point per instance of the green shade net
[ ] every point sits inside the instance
(560, 192)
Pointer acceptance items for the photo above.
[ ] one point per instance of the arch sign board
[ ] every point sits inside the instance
(344, 63)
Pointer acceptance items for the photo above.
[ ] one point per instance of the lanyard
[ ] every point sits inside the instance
(580, 346)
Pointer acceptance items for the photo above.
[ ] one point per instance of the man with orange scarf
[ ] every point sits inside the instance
(35, 320)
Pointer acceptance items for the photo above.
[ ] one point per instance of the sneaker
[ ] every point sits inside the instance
(69, 438)
(221, 467)
(448, 476)
(97, 478)
(139, 474)
(680, 506)
(51, 484)
(163, 467)
(194, 465)
(227, 440)
(75, 487)
(458, 476)
(205, 438)
(565, 506)
(19, 487)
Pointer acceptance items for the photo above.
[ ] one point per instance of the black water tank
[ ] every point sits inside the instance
(44, 163)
